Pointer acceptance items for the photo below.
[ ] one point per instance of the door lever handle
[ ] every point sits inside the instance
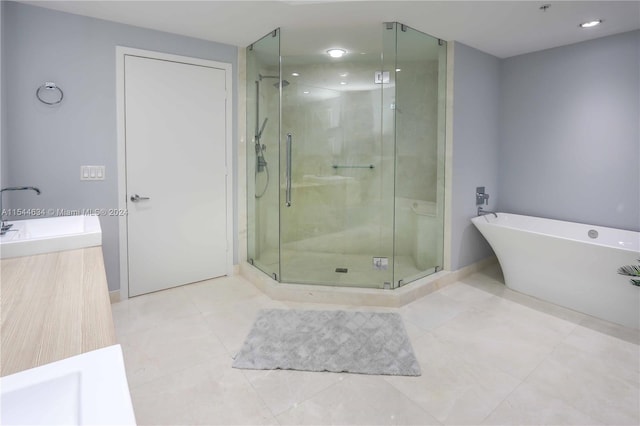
(135, 198)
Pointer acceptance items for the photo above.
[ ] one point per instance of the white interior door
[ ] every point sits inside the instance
(175, 141)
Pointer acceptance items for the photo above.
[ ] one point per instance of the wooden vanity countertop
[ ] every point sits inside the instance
(54, 306)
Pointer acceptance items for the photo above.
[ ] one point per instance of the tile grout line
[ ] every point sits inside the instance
(524, 381)
(413, 400)
(273, 415)
(313, 395)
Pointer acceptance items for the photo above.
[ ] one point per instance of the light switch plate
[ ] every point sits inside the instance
(92, 172)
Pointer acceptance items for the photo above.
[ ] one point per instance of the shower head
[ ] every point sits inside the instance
(285, 83)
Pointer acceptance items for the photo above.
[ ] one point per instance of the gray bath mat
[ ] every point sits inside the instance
(336, 341)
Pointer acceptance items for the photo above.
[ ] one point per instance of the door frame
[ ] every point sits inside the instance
(121, 52)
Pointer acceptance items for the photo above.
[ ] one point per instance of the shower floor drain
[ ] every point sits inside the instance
(342, 270)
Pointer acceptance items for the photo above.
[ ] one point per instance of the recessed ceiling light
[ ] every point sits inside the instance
(336, 53)
(398, 69)
(295, 74)
(590, 24)
(306, 92)
(344, 74)
(343, 83)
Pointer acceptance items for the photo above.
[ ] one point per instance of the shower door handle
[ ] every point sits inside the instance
(287, 200)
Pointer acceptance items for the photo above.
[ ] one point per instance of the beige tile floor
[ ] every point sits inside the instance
(488, 356)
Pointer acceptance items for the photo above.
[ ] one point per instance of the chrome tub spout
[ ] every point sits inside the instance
(482, 212)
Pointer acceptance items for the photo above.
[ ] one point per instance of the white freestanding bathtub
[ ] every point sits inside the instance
(569, 264)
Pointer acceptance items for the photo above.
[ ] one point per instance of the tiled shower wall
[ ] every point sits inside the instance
(348, 210)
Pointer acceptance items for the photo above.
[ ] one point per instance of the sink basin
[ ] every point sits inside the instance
(46, 235)
(90, 388)
(58, 402)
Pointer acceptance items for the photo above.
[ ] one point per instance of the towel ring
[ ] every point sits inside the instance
(49, 86)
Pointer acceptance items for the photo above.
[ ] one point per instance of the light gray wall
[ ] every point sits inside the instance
(559, 128)
(476, 82)
(553, 134)
(3, 109)
(570, 138)
(45, 145)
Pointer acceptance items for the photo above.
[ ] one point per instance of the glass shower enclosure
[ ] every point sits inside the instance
(345, 165)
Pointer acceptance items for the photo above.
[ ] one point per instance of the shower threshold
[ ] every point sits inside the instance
(315, 293)
(339, 270)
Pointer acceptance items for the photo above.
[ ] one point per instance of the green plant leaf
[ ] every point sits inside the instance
(630, 270)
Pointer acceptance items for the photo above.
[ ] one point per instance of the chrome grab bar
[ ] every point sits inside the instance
(288, 173)
(340, 166)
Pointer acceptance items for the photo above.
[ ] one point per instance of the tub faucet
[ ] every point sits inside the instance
(481, 196)
(482, 212)
(3, 226)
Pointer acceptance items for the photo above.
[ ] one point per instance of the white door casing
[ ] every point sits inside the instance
(174, 146)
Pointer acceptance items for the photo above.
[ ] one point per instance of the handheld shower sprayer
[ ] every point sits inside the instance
(259, 135)
(261, 163)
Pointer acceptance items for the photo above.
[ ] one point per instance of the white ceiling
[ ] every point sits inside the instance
(501, 28)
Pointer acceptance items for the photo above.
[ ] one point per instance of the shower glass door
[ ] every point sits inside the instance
(263, 168)
(345, 158)
(420, 88)
(336, 156)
